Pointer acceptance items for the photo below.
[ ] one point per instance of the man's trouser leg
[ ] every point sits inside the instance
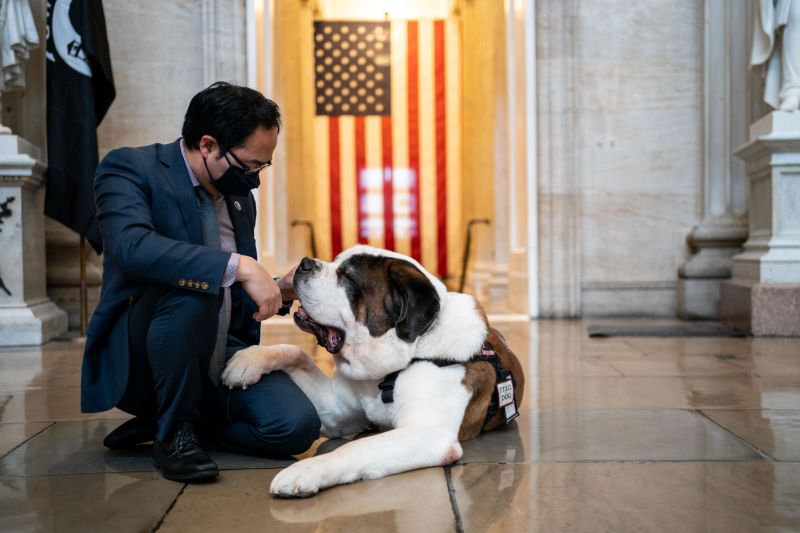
(272, 417)
(172, 334)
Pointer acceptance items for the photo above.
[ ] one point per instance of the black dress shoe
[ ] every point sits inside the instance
(182, 458)
(130, 433)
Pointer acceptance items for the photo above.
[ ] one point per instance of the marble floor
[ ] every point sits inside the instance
(616, 434)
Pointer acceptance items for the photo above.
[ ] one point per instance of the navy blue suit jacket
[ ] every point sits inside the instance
(149, 221)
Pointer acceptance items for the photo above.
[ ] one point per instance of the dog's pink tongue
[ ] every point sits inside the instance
(333, 338)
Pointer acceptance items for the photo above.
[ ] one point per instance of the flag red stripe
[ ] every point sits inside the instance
(388, 183)
(361, 190)
(441, 149)
(335, 181)
(413, 138)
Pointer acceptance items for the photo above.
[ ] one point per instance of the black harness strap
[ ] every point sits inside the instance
(487, 353)
(387, 385)
(501, 375)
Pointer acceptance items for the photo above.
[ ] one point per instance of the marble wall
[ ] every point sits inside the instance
(178, 48)
(620, 96)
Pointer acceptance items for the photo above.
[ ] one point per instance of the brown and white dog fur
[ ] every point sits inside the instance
(376, 310)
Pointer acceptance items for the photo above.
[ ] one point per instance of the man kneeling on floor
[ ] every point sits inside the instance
(182, 292)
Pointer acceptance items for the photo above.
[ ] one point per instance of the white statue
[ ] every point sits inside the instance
(18, 37)
(776, 44)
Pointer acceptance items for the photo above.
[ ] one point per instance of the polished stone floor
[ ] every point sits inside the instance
(617, 434)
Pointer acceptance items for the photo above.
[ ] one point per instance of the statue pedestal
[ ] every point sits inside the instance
(763, 297)
(27, 316)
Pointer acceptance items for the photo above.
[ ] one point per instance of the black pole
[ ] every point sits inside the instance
(467, 247)
(311, 233)
(84, 305)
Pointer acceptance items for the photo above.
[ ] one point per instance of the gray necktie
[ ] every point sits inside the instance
(210, 225)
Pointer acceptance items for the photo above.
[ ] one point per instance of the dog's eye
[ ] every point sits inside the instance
(351, 290)
(345, 277)
(346, 282)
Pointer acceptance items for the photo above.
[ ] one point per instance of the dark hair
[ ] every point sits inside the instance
(229, 113)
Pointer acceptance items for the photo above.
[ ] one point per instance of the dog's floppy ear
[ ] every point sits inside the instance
(415, 301)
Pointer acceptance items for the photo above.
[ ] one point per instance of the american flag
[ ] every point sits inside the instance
(387, 134)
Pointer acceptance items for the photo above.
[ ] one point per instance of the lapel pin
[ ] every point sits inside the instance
(237, 205)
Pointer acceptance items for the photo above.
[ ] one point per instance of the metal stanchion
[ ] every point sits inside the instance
(310, 226)
(84, 291)
(467, 247)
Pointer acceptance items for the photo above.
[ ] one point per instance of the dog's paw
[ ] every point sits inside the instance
(300, 480)
(246, 367)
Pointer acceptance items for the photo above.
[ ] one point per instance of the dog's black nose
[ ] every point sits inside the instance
(306, 265)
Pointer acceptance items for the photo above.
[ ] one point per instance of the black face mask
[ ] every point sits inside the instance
(234, 181)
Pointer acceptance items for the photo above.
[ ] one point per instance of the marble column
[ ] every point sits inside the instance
(504, 167)
(223, 41)
(27, 316)
(559, 180)
(723, 228)
(521, 289)
(484, 170)
(289, 190)
(763, 297)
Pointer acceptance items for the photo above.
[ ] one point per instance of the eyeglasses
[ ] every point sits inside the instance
(247, 170)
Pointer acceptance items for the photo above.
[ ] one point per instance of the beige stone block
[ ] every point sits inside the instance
(105, 502)
(686, 497)
(768, 309)
(774, 431)
(419, 502)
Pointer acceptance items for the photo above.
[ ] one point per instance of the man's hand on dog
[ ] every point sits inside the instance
(286, 285)
(259, 284)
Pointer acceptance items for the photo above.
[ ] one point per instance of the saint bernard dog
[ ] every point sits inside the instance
(417, 362)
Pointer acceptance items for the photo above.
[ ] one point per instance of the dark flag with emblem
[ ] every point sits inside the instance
(387, 135)
(80, 89)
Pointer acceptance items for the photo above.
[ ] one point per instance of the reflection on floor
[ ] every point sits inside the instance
(620, 434)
